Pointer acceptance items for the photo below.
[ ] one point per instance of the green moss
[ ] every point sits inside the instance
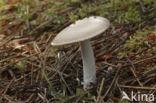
(22, 13)
(21, 65)
(137, 43)
(122, 55)
(148, 67)
(121, 11)
(73, 17)
(53, 12)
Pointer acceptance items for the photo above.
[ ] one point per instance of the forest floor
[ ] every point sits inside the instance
(32, 72)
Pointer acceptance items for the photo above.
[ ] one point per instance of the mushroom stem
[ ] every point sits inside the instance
(89, 69)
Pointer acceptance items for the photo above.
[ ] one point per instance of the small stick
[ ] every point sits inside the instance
(115, 78)
(27, 22)
(100, 90)
(132, 70)
(152, 57)
(142, 6)
(6, 89)
(135, 87)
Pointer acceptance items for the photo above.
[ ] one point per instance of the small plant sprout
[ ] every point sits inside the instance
(81, 31)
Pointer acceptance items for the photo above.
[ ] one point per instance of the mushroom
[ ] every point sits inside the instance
(81, 31)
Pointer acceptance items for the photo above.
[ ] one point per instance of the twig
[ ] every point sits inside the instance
(153, 70)
(135, 87)
(38, 27)
(6, 89)
(27, 22)
(151, 91)
(94, 43)
(133, 67)
(9, 38)
(71, 92)
(149, 47)
(106, 63)
(142, 6)
(17, 60)
(100, 90)
(115, 77)
(30, 97)
(113, 48)
(145, 59)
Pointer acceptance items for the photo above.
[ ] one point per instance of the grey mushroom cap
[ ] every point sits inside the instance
(81, 30)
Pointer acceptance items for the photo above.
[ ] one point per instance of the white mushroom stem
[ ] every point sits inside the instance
(89, 68)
